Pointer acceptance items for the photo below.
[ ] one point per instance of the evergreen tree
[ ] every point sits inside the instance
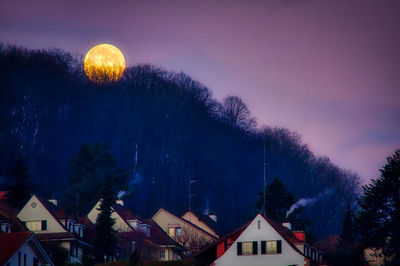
(347, 235)
(88, 170)
(105, 241)
(19, 182)
(378, 218)
(277, 201)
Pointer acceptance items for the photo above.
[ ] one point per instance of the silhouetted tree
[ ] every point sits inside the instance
(89, 169)
(277, 201)
(105, 240)
(378, 218)
(236, 114)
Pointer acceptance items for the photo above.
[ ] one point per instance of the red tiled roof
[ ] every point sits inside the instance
(9, 214)
(10, 243)
(3, 194)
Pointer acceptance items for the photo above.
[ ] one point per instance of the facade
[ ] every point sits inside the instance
(22, 248)
(260, 242)
(183, 231)
(53, 226)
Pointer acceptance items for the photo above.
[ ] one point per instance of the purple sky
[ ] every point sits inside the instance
(329, 70)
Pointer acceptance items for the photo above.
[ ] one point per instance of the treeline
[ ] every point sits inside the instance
(165, 129)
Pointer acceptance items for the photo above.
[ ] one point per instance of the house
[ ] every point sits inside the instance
(125, 221)
(188, 234)
(135, 233)
(54, 227)
(262, 241)
(22, 248)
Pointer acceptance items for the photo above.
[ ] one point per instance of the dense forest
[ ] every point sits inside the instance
(164, 129)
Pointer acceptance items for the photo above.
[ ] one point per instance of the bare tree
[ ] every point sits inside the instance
(192, 240)
(235, 112)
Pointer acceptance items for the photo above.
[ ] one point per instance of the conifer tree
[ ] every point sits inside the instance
(88, 171)
(277, 201)
(379, 216)
(105, 241)
(347, 235)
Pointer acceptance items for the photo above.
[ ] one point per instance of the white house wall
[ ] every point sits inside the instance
(39, 213)
(30, 254)
(289, 256)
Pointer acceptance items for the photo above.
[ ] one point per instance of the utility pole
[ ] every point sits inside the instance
(265, 175)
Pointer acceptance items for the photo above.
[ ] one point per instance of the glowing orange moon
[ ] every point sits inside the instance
(104, 63)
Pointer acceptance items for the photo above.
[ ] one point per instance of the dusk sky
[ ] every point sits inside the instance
(329, 70)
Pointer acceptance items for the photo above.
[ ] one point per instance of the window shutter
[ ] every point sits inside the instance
(279, 246)
(239, 248)
(263, 247)
(44, 225)
(255, 250)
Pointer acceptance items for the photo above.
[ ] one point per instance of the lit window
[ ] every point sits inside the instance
(171, 231)
(247, 248)
(34, 225)
(271, 247)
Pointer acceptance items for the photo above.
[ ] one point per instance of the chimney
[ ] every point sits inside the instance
(213, 216)
(300, 235)
(120, 202)
(54, 201)
(287, 225)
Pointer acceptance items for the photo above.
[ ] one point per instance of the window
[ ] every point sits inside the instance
(24, 259)
(271, 247)
(162, 254)
(44, 225)
(178, 231)
(171, 231)
(19, 258)
(35, 225)
(259, 225)
(247, 248)
(35, 261)
(175, 231)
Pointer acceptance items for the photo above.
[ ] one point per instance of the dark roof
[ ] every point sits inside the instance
(9, 214)
(55, 236)
(10, 243)
(124, 213)
(209, 222)
(158, 235)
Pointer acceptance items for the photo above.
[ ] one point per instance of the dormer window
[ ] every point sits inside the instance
(6, 227)
(145, 229)
(135, 224)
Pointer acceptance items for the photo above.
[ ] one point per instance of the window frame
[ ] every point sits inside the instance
(268, 251)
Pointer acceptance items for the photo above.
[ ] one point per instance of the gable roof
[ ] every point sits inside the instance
(185, 222)
(9, 214)
(10, 243)
(208, 221)
(284, 232)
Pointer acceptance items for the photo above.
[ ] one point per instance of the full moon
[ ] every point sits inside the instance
(104, 63)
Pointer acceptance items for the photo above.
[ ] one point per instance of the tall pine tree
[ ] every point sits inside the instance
(105, 241)
(379, 216)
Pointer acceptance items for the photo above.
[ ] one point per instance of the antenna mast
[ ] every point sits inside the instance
(265, 176)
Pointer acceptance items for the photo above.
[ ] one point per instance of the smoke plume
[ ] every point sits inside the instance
(310, 201)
